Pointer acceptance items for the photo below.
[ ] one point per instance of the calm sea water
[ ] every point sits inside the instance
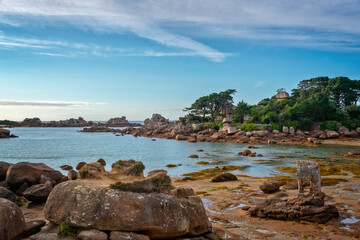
(59, 146)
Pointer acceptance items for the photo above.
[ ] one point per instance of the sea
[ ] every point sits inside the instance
(68, 146)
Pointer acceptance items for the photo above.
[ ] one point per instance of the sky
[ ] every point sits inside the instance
(105, 58)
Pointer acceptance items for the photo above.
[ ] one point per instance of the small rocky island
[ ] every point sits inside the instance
(72, 122)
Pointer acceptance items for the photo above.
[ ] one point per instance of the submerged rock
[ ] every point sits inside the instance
(224, 177)
(156, 215)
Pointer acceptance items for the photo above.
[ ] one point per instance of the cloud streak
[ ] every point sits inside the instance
(326, 24)
(43, 103)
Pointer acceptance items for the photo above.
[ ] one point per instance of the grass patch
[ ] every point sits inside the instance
(67, 231)
(283, 179)
(193, 156)
(137, 169)
(332, 181)
(212, 172)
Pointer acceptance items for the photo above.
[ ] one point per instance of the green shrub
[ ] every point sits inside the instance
(65, 230)
(247, 127)
(208, 125)
(351, 124)
(276, 126)
(137, 169)
(306, 124)
(329, 125)
(270, 117)
(219, 125)
(294, 124)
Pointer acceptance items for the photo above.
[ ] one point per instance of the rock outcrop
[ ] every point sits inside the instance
(310, 208)
(4, 133)
(157, 215)
(156, 120)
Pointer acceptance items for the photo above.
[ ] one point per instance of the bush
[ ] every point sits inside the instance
(306, 124)
(351, 124)
(247, 127)
(277, 126)
(219, 125)
(294, 124)
(209, 125)
(329, 125)
(65, 230)
(137, 169)
(270, 117)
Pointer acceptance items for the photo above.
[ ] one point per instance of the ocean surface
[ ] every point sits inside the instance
(60, 146)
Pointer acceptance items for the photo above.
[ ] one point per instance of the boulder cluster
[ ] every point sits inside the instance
(134, 207)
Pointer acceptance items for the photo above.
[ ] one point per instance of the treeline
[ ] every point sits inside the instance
(330, 101)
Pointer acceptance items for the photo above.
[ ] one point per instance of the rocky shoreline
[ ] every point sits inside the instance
(93, 203)
(228, 133)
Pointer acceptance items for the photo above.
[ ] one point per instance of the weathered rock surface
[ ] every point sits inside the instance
(5, 193)
(32, 228)
(72, 175)
(30, 173)
(4, 166)
(161, 215)
(38, 193)
(309, 208)
(12, 222)
(93, 170)
(270, 187)
(80, 165)
(116, 235)
(92, 234)
(332, 134)
(156, 120)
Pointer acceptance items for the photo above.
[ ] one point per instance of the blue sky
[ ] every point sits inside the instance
(105, 58)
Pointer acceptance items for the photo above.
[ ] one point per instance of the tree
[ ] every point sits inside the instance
(212, 105)
(241, 110)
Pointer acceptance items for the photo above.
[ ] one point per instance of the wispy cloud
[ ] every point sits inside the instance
(259, 84)
(327, 24)
(43, 103)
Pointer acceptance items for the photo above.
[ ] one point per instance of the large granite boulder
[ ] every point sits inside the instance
(157, 215)
(30, 173)
(4, 166)
(12, 222)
